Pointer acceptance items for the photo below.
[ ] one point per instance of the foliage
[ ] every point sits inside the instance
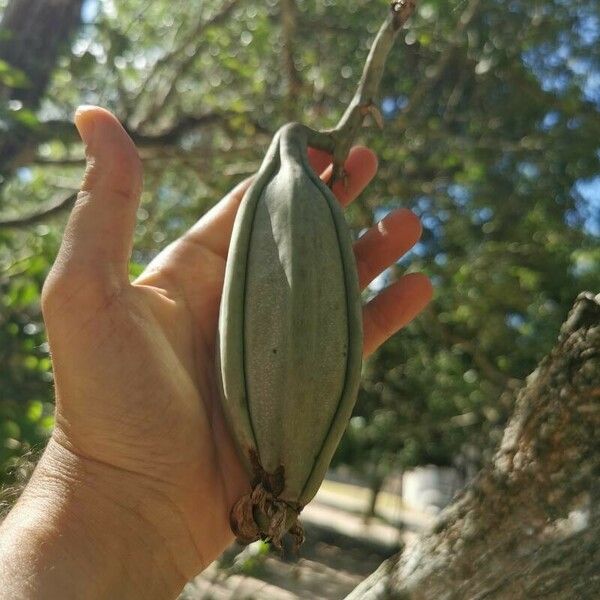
(25, 393)
(491, 136)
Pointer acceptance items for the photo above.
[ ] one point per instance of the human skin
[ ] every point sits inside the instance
(131, 497)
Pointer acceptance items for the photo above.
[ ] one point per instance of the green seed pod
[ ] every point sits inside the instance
(290, 337)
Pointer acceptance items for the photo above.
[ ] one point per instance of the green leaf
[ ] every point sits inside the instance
(26, 117)
(12, 77)
(35, 410)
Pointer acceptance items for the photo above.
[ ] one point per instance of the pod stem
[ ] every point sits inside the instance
(339, 140)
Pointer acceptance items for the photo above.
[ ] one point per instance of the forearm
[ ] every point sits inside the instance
(68, 537)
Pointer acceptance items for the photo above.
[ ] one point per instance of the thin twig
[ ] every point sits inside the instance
(445, 59)
(288, 13)
(162, 97)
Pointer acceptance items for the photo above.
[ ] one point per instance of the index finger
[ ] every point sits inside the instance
(360, 167)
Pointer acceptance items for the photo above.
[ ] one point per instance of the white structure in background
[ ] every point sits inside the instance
(430, 488)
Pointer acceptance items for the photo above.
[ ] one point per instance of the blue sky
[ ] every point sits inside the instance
(89, 10)
(590, 192)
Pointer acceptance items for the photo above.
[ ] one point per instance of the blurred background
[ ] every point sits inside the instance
(491, 135)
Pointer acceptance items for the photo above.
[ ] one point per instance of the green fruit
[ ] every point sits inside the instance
(290, 336)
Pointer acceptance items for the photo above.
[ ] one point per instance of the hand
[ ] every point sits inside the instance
(136, 394)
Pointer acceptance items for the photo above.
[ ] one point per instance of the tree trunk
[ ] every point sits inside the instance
(375, 486)
(33, 33)
(529, 525)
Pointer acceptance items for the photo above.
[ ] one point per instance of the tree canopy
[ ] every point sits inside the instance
(491, 129)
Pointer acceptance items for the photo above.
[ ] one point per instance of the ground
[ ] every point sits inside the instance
(339, 552)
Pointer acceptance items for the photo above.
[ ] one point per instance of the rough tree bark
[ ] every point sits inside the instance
(529, 525)
(33, 33)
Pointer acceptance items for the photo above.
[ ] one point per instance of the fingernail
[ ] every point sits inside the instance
(84, 121)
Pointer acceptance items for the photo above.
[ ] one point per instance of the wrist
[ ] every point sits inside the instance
(95, 531)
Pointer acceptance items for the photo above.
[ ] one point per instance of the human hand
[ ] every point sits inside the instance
(137, 407)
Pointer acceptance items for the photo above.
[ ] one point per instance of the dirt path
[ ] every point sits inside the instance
(330, 566)
(339, 552)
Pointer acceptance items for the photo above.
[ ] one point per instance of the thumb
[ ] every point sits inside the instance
(99, 235)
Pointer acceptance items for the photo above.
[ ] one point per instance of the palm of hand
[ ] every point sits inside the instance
(134, 363)
(136, 381)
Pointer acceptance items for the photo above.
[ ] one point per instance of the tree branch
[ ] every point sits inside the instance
(194, 37)
(33, 34)
(416, 98)
(58, 207)
(528, 525)
(67, 161)
(170, 136)
(289, 15)
(338, 141)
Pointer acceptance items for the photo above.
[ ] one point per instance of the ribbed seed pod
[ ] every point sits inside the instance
(290, 337)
